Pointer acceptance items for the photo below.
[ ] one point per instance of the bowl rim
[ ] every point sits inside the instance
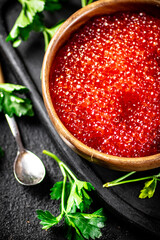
(110, 161)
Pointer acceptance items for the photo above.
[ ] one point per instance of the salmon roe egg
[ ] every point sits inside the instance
(105, 84)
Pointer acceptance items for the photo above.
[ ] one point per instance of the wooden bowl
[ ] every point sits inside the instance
(69, 26)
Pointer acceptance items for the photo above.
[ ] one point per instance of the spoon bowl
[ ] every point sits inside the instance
(28, 169)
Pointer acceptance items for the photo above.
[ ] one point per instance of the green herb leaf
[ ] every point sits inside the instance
(79, 196)
(52, 5)
(24, 23)
(56, 191)
(1, 152)
(74, 201)
(87, 225)
(11, 104)
(49, 32)
(47, 219)
(10, 88)
(149, 189)
(30, 19)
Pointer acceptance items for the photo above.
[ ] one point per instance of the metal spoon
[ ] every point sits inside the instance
(28, 168)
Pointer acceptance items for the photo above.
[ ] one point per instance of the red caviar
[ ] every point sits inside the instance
(105, 84)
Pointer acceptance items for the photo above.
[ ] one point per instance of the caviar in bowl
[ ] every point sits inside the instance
(100, 82)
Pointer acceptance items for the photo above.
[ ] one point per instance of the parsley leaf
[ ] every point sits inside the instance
(49, 32)
(52, 5)
(149, 189)
(79, 196)
(74, 201)
(87, 225)
(24, 23)
(149, 186)
(47, 219)
(56, 191)
(8, 87)
(12, 104)
(30, 19)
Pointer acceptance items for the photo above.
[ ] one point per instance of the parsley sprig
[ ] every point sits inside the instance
(149, 186)
(12, 104)
(75, 201)
(31, 18)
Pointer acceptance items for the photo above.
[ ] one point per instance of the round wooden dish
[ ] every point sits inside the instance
(74, 22)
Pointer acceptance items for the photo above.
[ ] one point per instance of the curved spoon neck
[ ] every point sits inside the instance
(14, 129)
(20, 147)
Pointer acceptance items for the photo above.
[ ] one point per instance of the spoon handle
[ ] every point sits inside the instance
(14, 129)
